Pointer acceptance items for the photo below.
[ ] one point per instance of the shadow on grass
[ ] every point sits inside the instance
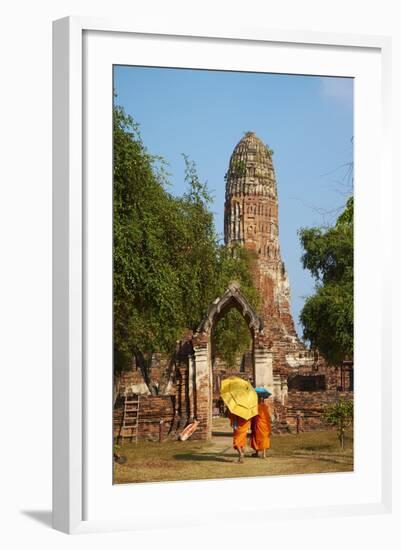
(204, 457)
(331, 459)
(316, 447)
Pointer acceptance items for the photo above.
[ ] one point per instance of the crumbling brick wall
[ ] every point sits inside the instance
(155, 413)
(174, 407)
(310, 406)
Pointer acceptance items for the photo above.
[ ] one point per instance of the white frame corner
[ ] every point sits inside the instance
(68, 250)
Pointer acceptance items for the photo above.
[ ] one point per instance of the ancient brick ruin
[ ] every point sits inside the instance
(299, 379)
(251, 220)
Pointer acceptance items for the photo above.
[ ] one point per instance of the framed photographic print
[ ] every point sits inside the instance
(219, 275)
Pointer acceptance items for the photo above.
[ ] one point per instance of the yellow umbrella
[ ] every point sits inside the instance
(239, 396)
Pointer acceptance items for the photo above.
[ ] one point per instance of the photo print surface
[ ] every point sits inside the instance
(232, 274)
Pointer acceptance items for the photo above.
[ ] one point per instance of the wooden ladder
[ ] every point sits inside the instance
(131, 416)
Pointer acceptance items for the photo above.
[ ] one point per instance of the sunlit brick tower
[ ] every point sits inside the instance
(251, 220)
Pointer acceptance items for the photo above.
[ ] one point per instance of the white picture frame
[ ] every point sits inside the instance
(73, 475)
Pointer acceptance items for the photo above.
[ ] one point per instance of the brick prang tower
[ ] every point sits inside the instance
(251, 220)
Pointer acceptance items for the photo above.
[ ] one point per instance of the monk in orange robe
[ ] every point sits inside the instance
(240, 427)
(261, 429)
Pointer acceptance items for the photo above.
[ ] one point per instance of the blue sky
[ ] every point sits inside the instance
(306, 120)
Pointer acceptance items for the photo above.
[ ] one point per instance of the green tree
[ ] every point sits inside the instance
(168, 265)
(146, 284)
(327, 316)
(340, 415)
(231, 335)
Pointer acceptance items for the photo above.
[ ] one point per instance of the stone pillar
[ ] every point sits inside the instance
(191, 388)
(203, 391)
(284, 391)
(263, 365)
(277, 389)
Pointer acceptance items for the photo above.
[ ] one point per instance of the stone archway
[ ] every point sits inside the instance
(202, 365)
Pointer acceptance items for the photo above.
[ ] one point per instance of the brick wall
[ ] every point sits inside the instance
(175, 407)
(181, 401)
(310, 406)
(152, 410)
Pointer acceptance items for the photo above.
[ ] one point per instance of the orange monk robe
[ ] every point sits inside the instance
(261, 429)
(240, 427)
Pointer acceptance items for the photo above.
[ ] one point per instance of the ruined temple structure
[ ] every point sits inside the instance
(251, 220)
(187, 385)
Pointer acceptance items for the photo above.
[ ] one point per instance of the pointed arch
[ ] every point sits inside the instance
(232, 297)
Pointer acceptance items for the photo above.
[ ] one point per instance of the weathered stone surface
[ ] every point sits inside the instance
(251, 220)
(157, 417)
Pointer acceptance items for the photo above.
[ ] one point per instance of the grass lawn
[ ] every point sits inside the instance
(305, 453)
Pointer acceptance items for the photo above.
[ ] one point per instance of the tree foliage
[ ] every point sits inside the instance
(231, 338)
(168, 264)
(231, 335)
(327, 316)
(340, 415)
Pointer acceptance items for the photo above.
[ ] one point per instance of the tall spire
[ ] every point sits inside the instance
(251, 220)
